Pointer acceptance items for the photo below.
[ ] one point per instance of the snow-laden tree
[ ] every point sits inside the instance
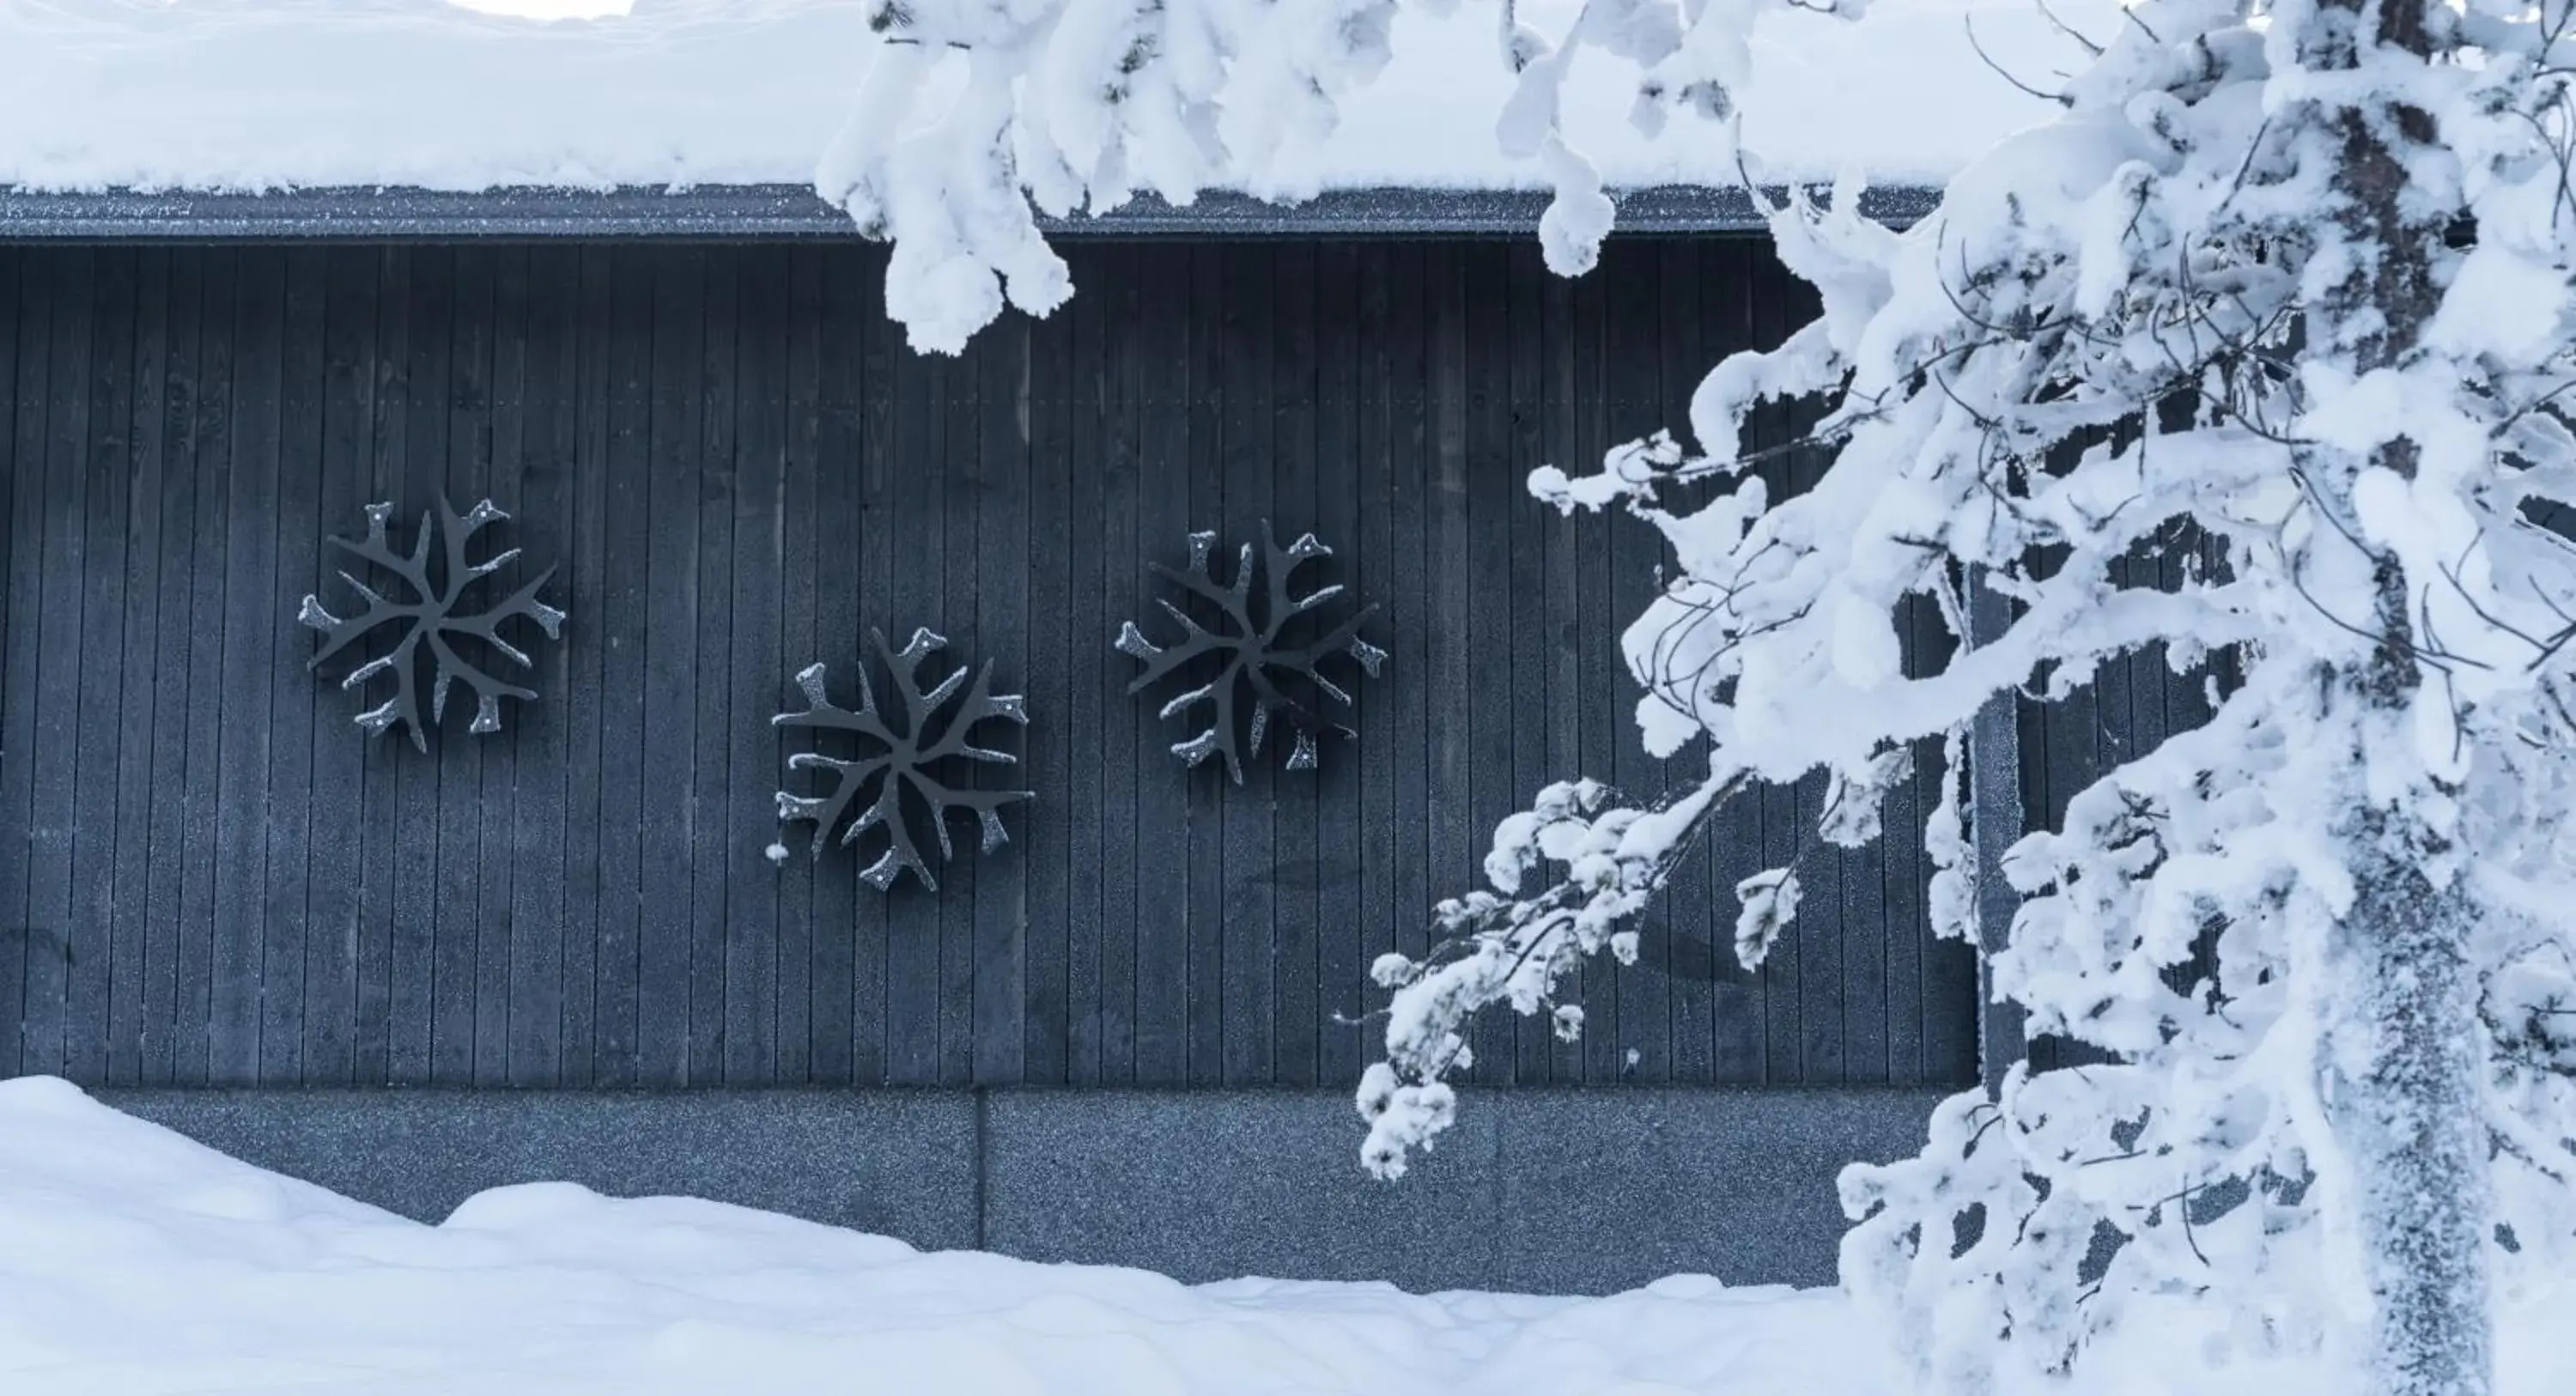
(2293, 276)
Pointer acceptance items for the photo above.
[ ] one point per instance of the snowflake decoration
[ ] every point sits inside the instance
(905, 760)
(431, 617)
(1254, 657)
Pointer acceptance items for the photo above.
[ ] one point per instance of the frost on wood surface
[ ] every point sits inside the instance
(427, 619)
(2292, 283)
(896, 768)
(1284, 682)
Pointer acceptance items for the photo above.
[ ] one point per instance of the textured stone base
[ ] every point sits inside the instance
(1536, 1190)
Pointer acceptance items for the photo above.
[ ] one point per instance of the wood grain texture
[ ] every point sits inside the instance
(24, 292)
(209, 875)
(93, 927)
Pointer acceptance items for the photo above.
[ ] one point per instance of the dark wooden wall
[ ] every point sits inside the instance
(208, 875)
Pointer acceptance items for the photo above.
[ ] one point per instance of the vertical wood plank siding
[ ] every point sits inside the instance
(208, 875)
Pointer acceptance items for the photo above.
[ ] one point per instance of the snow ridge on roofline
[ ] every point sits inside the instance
(783, 211)
(329, 96)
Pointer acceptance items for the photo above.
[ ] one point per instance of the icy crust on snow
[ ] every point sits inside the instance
(269, 94)
(136, 1262)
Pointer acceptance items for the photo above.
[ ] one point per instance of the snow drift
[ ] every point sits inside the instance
(135, 1262)
(265, 94)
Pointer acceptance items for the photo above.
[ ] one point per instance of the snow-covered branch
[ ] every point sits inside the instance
(2193, 307)
(2287, 283)
(976, 115)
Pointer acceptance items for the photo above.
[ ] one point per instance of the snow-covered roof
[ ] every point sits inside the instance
(260, 96)
(740, 212)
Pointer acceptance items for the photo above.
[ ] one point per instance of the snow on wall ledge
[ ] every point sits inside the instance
(277, 94)
(135, 1262)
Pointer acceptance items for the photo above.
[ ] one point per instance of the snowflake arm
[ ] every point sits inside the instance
(431, 616)
(902, 764)
(1251, 651)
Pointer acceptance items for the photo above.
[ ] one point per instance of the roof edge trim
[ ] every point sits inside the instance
(740, 212)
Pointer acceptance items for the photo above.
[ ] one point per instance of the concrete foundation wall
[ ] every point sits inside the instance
(1535, 1190)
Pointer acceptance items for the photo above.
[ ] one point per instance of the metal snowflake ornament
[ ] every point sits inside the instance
(1255, 657)
(931, 732)
(430, 617)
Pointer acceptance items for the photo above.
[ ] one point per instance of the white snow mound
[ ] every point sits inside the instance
(134, 1262)
(268, 94)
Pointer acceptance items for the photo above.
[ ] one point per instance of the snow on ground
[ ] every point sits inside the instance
(134, 1262)
(260, 94)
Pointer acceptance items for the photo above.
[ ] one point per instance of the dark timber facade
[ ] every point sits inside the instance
(1127, 1035)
